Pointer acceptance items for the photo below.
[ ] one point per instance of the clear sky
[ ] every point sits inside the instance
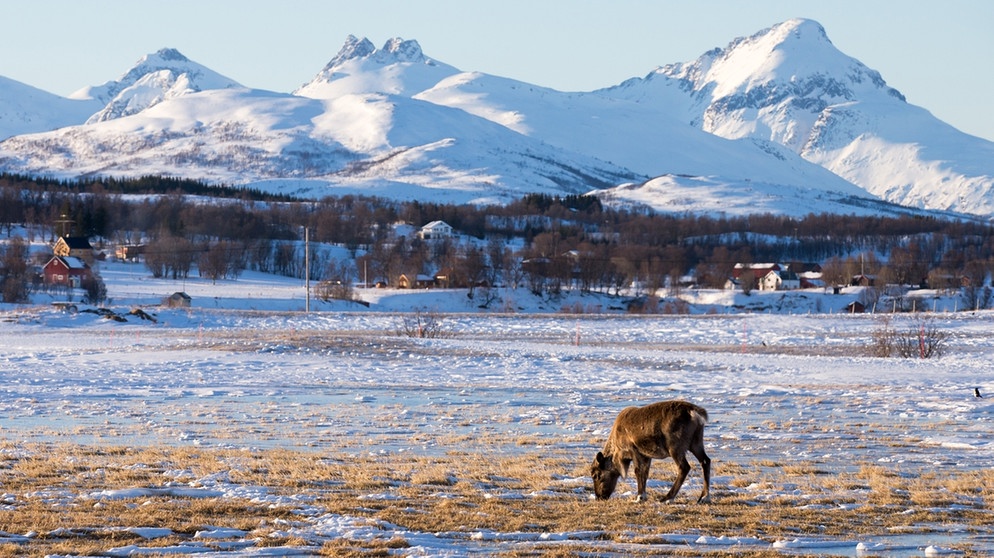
(939, 53)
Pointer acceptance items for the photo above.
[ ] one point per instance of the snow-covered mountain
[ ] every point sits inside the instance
(791, 86)
(358, 135)
(759, 175)
(779, 122)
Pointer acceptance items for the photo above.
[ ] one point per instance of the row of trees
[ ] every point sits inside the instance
(545, 243)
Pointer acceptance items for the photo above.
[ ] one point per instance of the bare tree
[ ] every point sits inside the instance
(222, 260)
(836, 272)
(496, 272)
(96, 290)
(285, 260)
(976, 297)
(747, 281)
(474, 268)
(14, 280)
(170, 256)
(338, 281)
(422, 324)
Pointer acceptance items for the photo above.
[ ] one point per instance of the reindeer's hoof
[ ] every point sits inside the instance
(704, 499)
(641, 498)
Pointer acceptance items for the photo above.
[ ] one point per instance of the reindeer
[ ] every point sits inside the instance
(658, 430)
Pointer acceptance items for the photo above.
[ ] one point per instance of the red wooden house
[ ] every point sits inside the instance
(66, 270)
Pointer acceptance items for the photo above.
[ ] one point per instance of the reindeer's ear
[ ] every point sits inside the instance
(600, 459)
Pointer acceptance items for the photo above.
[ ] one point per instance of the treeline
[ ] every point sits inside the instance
(559, 241)
(143, 185)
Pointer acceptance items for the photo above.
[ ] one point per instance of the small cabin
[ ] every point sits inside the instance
(178, 299)
(855, 307)
(129, 252)
(419, 281)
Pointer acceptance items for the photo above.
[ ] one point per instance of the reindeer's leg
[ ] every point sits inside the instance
(681, 462)
(706, 467)
(697, 448)
(641, 475)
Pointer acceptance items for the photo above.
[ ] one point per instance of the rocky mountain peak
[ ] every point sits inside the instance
(398, 68)
(399, 50)
(353, 48)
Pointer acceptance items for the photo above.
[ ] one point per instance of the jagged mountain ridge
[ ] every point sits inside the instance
(394, 122)
(399, 68)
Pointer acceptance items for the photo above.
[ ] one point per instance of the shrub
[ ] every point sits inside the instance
(922, 339)
(422, 324)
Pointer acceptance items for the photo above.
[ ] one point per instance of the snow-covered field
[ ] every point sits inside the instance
(250, 369)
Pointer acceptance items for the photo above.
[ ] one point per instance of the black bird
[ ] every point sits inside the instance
(976, 391)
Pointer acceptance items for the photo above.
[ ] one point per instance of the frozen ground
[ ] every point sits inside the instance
(787, 388)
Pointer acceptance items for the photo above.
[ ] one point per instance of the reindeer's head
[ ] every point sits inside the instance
(605, 474)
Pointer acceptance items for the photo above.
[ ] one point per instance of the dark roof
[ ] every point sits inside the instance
(77, 242)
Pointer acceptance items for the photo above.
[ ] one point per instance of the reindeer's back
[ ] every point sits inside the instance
(656, 425)
(661, 411)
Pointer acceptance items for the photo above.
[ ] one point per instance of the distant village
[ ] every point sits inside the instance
(546, 245)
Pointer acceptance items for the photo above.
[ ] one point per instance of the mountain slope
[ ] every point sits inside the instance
(25, 109)
(790, 85)
(646, 139)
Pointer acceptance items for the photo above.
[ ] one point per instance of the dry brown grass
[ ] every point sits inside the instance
(464, 493)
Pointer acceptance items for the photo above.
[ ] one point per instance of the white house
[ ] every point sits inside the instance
(767, 276)
(435, 230)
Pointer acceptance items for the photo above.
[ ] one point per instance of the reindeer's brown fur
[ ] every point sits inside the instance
(658, 430)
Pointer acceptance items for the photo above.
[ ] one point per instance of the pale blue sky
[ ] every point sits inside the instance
(938, 53)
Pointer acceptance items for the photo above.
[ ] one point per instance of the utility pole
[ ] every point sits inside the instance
(307, 269)
(65, 225)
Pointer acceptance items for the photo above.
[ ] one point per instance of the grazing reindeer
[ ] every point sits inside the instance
(658, 430)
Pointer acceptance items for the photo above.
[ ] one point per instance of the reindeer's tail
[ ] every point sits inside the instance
(700, 415)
